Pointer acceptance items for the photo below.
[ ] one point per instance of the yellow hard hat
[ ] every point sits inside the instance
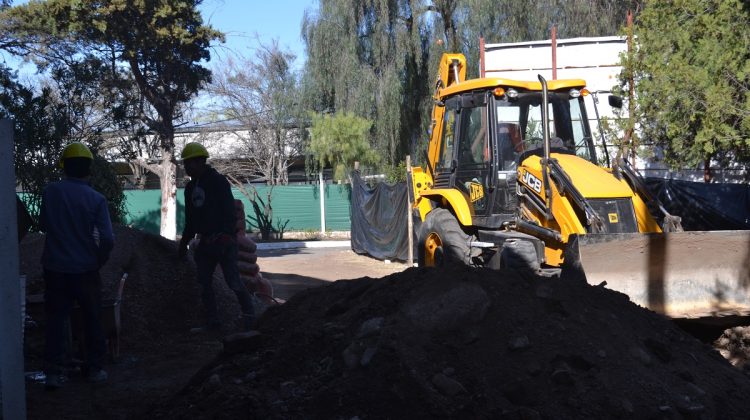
(194, 150)
(75, 150)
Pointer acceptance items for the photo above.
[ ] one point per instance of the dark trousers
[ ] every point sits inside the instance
(207, 256)
(61, 291)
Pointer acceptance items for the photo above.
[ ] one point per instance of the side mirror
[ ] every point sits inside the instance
(615, 101)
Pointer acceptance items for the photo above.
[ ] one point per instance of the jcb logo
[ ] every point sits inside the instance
(533, 182)
(476, 191)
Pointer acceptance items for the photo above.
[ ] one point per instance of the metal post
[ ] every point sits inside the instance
(409, 224)
(322, 203)
(482, 64)
(11, 351)
(554, 53)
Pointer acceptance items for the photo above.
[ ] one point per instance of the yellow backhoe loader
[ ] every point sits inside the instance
(511, 179)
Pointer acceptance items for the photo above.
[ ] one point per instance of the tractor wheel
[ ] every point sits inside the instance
(442, 241)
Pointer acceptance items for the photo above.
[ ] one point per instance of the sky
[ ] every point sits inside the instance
(245, 22)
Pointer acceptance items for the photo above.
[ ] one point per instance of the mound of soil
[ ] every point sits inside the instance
(161, 296)
(158, 354)
(463, 343)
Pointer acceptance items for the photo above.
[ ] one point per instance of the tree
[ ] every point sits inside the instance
(378, 59)
(161, 43)
(367, 58)
(339, 140)
(261, 95)
(692, 73)
(43, 125)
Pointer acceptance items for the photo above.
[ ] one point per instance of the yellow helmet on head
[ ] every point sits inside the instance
(194, 150)
(75, 150)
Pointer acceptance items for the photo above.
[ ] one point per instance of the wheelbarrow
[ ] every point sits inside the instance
(110, 320)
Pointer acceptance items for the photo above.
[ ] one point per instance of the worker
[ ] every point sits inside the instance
(210, 213)
(78, 242)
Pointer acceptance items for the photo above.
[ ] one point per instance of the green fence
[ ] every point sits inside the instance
(300, 204)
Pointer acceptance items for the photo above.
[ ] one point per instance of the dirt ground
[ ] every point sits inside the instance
(388, 342)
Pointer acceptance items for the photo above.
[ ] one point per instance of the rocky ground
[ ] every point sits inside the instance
(422, 343)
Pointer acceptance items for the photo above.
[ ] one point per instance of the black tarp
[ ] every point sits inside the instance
(704, 206)
(379, 226)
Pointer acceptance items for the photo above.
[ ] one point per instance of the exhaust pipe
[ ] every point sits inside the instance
(545, 159)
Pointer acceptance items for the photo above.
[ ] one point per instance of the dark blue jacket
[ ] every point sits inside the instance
(73, 214)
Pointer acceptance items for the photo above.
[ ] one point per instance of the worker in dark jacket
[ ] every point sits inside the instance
(209, 213)
(77, 243)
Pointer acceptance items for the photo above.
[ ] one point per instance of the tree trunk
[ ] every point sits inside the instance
(168, 184)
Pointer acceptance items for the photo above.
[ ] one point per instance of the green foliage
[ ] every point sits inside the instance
(339, 140)
(262, 217)
(40, 128)
(692, 73)
(396, 173)
(104, 179)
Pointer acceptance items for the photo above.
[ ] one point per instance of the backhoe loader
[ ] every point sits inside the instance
(511, 179)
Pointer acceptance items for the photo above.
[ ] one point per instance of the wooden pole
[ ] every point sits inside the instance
(12, 381)
(409, 224)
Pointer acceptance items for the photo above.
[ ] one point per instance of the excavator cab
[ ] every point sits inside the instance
(486, 135)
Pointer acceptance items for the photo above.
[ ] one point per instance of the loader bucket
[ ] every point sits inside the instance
(683, 275)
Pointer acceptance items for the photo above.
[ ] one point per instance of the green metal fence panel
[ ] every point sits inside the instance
(297, 204)
(143, 209)
(338, 202)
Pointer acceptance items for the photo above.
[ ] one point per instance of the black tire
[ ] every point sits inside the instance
(441, 241)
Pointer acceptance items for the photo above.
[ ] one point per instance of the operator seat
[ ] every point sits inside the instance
(509, 143)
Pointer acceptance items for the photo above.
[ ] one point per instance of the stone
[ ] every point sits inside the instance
(213, 383)
(519, 343)
(699, 392)
(639, 354)
(534, 368)
(243, 342)
(447, 386)
(562, 377)
(367, 356)
(351, 356)
(463, 304)
(370, 327)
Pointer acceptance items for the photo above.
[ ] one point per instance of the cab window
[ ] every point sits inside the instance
(448, 140)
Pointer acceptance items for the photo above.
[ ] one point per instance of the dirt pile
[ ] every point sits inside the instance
(161, 296)
(465, 343)
(158, 354)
